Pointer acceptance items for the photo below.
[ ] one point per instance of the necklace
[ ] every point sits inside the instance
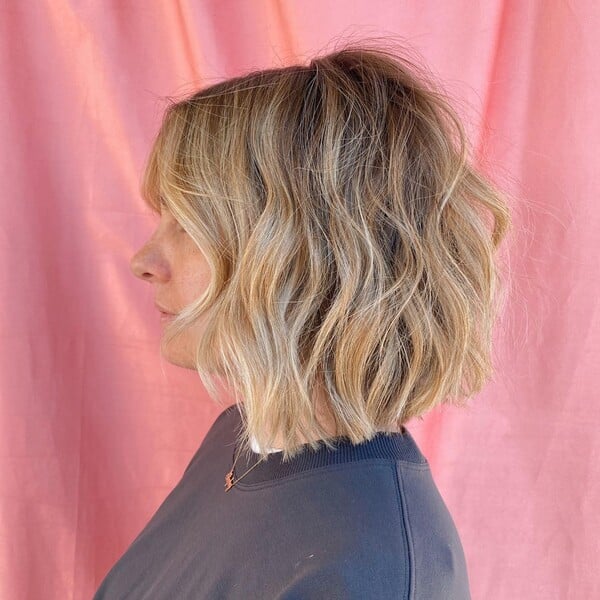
(229, 481)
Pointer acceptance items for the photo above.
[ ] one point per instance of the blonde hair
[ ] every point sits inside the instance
(351, 243)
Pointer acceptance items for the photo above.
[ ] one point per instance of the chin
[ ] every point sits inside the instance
(179, 361)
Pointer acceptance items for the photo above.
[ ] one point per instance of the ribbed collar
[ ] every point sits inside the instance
(384, 445)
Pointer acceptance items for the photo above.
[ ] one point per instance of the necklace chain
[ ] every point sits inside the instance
(229, 481)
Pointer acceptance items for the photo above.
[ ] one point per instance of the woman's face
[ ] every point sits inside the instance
(178, 270)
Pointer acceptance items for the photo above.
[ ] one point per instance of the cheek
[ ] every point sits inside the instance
(196, 275)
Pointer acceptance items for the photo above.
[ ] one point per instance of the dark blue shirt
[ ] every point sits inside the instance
(362, 522)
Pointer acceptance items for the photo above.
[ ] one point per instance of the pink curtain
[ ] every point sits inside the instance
(96, 428)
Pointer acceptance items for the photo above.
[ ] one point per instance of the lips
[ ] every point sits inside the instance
(163, 310)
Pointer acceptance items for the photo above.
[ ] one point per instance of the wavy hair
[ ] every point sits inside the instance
(352, 244)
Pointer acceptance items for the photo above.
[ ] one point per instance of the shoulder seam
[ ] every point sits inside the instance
(404, 516)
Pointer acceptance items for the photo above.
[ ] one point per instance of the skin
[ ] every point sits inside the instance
(179, 273)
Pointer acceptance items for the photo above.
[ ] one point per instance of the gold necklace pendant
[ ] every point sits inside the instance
(229, 480)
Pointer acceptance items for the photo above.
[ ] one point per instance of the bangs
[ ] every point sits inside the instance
(154, 180)
(150, 186)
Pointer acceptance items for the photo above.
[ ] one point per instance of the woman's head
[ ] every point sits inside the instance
(339, 241)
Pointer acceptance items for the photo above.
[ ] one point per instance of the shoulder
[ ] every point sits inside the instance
(350, 540)
(437, 558)
(384, 531)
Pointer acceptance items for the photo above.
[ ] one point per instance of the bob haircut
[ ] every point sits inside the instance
(351, 244)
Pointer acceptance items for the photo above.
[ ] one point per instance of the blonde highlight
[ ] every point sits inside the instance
(352, 244)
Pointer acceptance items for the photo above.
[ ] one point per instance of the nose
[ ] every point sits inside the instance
(148, 263)
(138, 265)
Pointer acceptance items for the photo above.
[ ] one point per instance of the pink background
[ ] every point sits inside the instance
(96, 428)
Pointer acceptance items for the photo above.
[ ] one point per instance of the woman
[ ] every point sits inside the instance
(323, 249)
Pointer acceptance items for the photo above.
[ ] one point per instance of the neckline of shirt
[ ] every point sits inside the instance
(393, 446)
